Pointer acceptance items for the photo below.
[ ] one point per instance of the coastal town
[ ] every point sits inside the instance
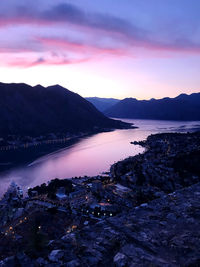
(13, 142)
(145, 211)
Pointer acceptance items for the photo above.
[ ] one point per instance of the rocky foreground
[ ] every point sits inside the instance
(145, 212)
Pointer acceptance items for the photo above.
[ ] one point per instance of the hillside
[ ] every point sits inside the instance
(102, 103)
(39, 110)
(146, 212)
(182, 107)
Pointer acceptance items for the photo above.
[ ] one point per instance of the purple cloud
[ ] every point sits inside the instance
(103, 33)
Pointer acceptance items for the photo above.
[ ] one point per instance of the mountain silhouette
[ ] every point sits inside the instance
(102, 103)
(27, 110)
(182, 107)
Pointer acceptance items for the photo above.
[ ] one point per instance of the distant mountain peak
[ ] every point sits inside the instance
(181, 96)
(182, 107)
(102, 103)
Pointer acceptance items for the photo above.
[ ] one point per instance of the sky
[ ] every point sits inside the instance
(109, 48)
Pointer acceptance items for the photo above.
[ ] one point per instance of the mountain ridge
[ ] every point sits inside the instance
(37, 110)
(182, 107)
(102, 103)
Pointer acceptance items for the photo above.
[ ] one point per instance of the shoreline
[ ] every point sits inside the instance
(16, 158)
(22, 156)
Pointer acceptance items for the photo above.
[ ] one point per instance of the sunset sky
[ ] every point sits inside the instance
(107, 48)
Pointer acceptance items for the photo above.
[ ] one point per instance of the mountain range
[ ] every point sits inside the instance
(102, 104)
(27, 110)
(182, 107)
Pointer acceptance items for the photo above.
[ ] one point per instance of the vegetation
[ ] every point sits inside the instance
(52, 188)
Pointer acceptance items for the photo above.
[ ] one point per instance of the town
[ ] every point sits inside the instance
(129, 215)
(13, 142)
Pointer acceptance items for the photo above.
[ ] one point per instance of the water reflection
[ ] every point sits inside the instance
(90, 156)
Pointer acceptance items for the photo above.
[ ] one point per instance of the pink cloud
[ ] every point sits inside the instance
(80, 48)
(97, 25)
(124, 39)
(55, 51)
(66, 14)
(27, 63)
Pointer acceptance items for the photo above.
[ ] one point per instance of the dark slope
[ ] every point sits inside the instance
(38, 110)
(102, 103)
(182, 107)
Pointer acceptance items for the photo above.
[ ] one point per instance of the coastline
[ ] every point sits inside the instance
(15, 158)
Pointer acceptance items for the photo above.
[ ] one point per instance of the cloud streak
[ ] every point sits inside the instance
(31, 61)
(68, 13)
(123, 36)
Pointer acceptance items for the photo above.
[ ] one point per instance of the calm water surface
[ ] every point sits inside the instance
(92, 155)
